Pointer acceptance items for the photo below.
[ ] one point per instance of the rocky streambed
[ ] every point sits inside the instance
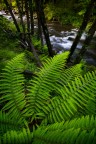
(62, 38)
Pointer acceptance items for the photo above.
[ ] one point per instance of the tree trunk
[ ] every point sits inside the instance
(28, 39)
(10, 10)
(82, 28)
(31, 16)
(39, 5)
(39, 33)
(86, 43)
(32, 49)
(20, 10)
(27, 15)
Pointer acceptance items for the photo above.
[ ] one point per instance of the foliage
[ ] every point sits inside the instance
(9, 46)
(67, 12)
(78, 131)
(11, 2)
(49, 11)
(5, 55)
(13, 90)
(62, 14)
(2, 5)
(6, 24)
(58, 106)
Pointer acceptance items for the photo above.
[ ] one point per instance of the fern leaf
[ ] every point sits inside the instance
(69, 75)
(7, 124)
(12, 88)
(17, 137)
(74, 131)
(72, 97)
(42, 85)
(71, 94)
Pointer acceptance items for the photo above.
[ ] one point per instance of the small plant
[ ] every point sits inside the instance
(57, 106)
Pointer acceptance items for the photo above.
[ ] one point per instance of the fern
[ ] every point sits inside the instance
(78, 131)
(56, 96)
(69, 75)
(72, 99)
(17, 137)
(91, 106)
(7, 124)
(12, 88)
(40, 87)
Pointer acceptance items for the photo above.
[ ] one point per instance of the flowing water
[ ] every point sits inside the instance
(62, 38)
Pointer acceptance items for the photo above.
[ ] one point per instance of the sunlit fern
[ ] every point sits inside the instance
(12, 88)
(56, 94)
(77, 131)
(8, 124)
(17, 137)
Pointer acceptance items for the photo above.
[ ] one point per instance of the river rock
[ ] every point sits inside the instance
(8, 17)
(64, 33)
(2, 12)
(95, 34)
(79, 46)
(64, 40)
(72, 33)
(90, 61)
(52, 38)
(91, 53)
(75, 30)
(71, 38)
(57, 47)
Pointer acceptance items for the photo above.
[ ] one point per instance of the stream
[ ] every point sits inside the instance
(62, 38)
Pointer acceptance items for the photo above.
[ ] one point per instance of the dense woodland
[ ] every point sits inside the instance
(46, 97)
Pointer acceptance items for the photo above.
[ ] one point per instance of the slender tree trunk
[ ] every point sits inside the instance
(20, 9)
(39, 34)
(10, 10)
(32, 49)
(22, 5)
(31, 16)
(86, 43)
(27, 15)
(82, 28)
(39, 5)
(28, 39)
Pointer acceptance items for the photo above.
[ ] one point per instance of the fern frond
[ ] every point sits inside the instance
(71, 94)
(72, 99)
(41, 86)
(12, 88)
(78, 131)
(91, 106)
(7, 124)
(17, 137)
(69, 75)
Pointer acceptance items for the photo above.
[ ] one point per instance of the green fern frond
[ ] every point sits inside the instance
(77, 131)
(69, 75)
(91, 106)
(12, 88)
(72, 99)
(17, 137)
(42, 85)
(71, 93)
(7, 124)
